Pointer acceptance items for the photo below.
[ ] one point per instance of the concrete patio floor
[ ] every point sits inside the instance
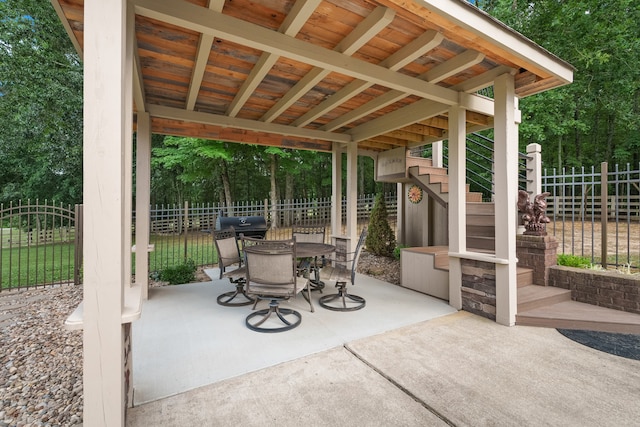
(450, 369)
(185, 340)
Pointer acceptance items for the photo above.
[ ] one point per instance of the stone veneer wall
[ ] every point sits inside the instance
(479, 288)
(608, 289)
(538, 253)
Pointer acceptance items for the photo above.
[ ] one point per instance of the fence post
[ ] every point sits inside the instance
(185, 227)
(604, 214)
(534, 169)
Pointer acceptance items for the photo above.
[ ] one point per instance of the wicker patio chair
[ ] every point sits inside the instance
(229, 255)
(271, 275)
(342, 275)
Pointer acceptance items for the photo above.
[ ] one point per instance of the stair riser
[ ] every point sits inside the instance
(523, 320)
(544, 301)
(525, 278)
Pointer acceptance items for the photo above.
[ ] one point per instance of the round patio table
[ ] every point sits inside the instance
(314, 250)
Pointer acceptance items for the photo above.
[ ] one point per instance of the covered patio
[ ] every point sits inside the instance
(354, 77)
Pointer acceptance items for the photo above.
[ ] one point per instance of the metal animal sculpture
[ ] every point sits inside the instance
(533, 214)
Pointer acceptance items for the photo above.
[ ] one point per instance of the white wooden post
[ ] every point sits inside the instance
(143, 187)
(437, 154)
(336, 190)
(457, 201)
(107, 137)
(534, 169)
(352, 195)
(506, 194)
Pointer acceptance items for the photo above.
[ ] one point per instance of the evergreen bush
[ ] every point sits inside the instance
(380, 237)
(179, 274)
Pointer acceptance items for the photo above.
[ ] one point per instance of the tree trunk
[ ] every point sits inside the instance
(224, 175)
(288, 195)
(273, 193)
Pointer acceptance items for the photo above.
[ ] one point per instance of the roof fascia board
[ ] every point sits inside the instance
(200, 19)
(251, 125)
(477, 22)
(67, 27)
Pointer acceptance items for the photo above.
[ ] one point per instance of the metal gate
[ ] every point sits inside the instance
(40, 244)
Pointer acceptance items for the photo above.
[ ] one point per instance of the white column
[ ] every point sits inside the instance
(143, 199)
(352, 195)
(457, 201)
(506, 194)
(336, 190)
(400, 214)
(107, 134)
(534, 169)
(437, 154)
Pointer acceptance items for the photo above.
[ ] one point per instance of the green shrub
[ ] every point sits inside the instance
(179, 274)
(573, 261)
(380, 237)
(396, 251)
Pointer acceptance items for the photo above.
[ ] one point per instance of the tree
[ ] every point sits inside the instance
(596, 117)
(380, 237)
(40, 105)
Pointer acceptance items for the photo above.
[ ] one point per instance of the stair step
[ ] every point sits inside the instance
(525, 276)
(474, 197)
(578, 315)
(534, 296)
(431, 170)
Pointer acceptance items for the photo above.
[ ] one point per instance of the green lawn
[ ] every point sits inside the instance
(35, 265)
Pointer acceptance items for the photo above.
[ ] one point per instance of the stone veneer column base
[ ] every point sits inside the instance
(479, 288)
(538, 253)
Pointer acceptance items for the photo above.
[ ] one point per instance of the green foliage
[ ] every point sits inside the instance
(569, 260)
(380, 238)
(40, 105)
(179, 274)
(396, 251)
(595, 118)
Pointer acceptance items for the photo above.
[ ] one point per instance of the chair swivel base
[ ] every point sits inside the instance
(356, 302)
(227, 298)
(266, 313)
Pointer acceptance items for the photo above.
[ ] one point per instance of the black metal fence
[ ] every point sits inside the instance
(596, 214)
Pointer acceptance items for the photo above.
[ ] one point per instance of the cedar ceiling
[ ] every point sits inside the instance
(305, 73)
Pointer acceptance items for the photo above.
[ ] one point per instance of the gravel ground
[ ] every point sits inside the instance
(41, 362)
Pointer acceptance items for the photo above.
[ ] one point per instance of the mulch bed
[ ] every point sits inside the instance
(623, 345)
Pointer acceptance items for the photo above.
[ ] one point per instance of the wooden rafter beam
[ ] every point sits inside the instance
(202, 56)
(235, 30)
(389, 140)
(365, 31)
(299, 14)
(251, 125)
(418, 47)
(438, 73)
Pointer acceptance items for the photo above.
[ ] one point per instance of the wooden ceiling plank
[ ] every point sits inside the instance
(252, 125)
(238, 31)
(418, 47)
(365, 31)
(295, 20)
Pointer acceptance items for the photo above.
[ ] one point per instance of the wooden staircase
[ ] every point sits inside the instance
(543, 306)
(480, 215)
(551, 307)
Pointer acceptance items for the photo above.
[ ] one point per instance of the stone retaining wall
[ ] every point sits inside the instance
(608, 289)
